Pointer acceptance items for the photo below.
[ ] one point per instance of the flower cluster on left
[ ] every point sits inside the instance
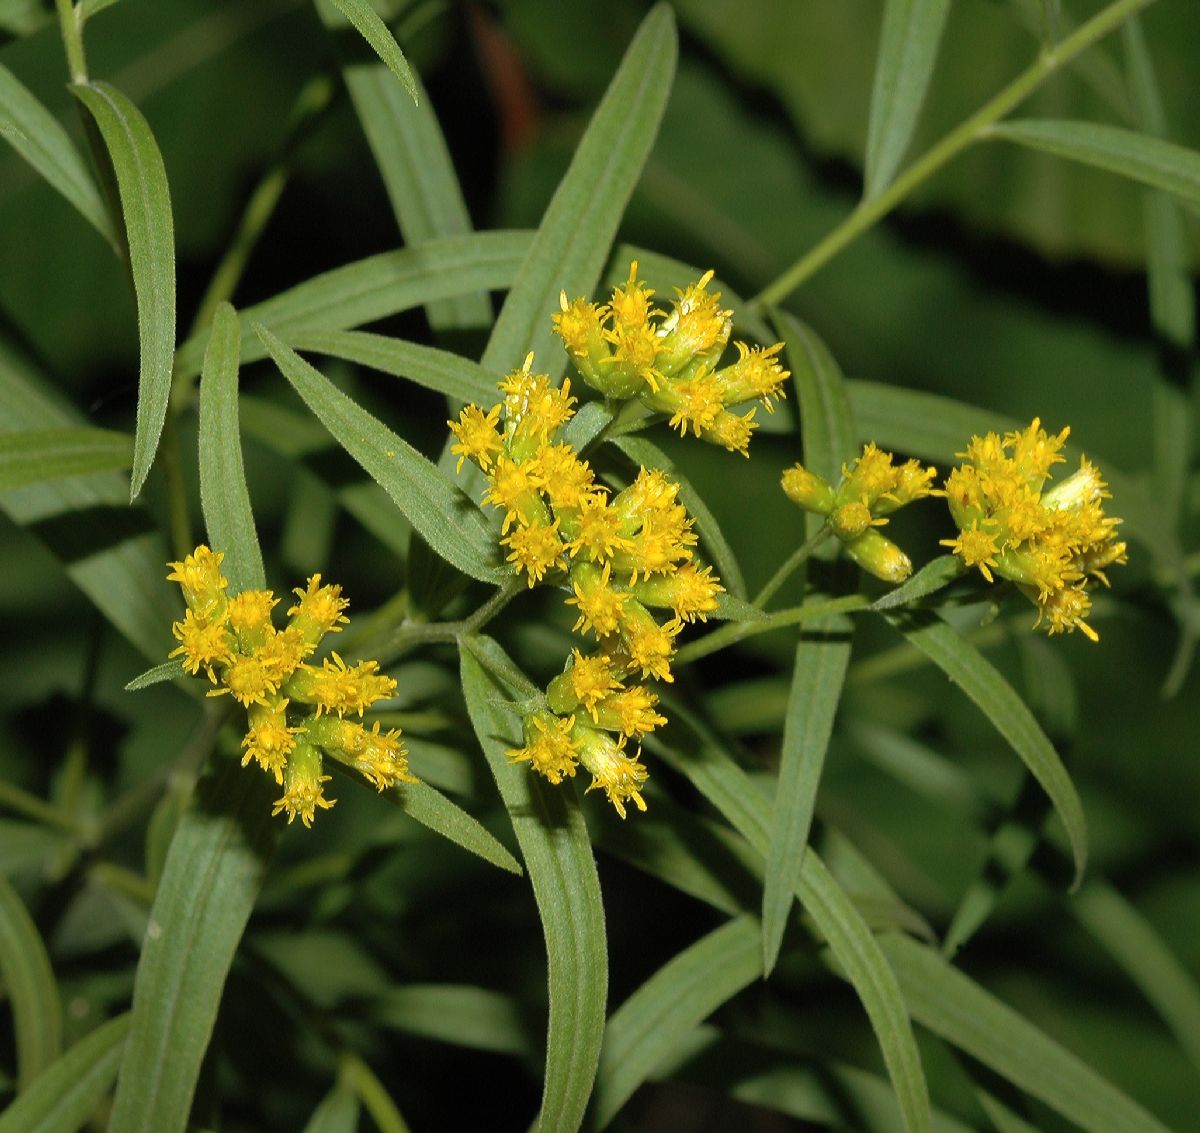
(296, 711)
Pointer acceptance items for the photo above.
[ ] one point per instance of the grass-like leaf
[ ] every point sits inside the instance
(37, 136)
(338, 1112)
(150, 237)
(446, 518)
(410, 153)
(573, 240)
(371, 27)
(213, 873)
(643, 452)
(1140, 157)
(30, 987)
(465, 1016)
(908, 46)
(719, 779)
(67, 1093)
(1008, 713)
(818, 672)
(954, 1007)
(935, 575)
(223, 492)
(562, 871)
(167, 671)
(376, 287)
(434, 369)
(650, 1024)
(50, 454)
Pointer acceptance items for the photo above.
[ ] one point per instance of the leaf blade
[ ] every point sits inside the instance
(368, 23)
(37, 455)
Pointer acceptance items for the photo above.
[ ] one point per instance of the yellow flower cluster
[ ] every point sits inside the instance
(1051, 543)
(870, 490)
(628, 348)
(620, 557)
(296, 710)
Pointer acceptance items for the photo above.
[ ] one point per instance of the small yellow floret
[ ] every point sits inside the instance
(600, 605)
(303, 786)
(341, 688)
(592, 679)
(319, 609)
(249, 612)
(549, 748)
(535, 549)
(976, 547)
(203, 643)
(199, 576)
(478, 436)
(269, 740)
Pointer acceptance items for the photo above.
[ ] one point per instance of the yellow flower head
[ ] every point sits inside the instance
(202, 643)
(338, 687)
(591, 679)
(599, 530)
(614, 772)
(478, 437)
(380, 757)
(270, 740)
(549, 747)
(249, 613)
(319, 610)
(599, 603)
(303, 790)
(630, 712)
(199, 576)
(535, 549)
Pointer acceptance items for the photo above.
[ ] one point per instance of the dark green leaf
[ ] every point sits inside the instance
(372, 28)
(562, 871)
(50, 454)
(150, 236)
(223, 492)
(446, 518)
(337, 1113)
(213, 873)
(572, 242)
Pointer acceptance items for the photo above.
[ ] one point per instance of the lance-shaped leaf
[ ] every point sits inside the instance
(446, 518)
(150, 236)
(50, 454)
(371, 27)
(573, 239)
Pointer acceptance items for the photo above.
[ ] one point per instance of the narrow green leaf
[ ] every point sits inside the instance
(167, 671)
(997, 700)
(573, 240)
(446, 518)
(213, 873)
(935, 575)
(719, 779)
(372, 28)
(66, 1095)
(50, 454)
(223, 492)
(954, 1007)
(655, 1019)
(1140, 157)
(337, 1113)
(375, 288)
(454, 1013)
(648, 455)
(412, 158)
(37, 136)
(431, 808)
(562, 871)
(818, 673)
(908, 47)
(583, 429)
(150, 236)
(731, 608)
(30, 987)
(434, 369)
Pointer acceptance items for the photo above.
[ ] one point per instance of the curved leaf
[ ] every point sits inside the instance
(372, 28)
(562, 871)
(446, 518)
(212, 875)
(908, 46)
(37, 136)
(30, 987)
(338, 1112)
(573, 240)
(150, 235)
(50, 454)
(651, 1023)
(65, 1096)
(1140, 157)
(223, 492)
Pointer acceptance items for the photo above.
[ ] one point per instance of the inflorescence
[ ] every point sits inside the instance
(296, 710)
(621, 557)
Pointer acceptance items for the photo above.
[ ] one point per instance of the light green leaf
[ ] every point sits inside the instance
(818, 672)
(434, 369)
(650, 1024)
(446, 518)
(65, 1096)
(213, 873)
(372, 28)
(376, 287)
(167, 671)
(50, 454)
(337, 1113)
(935, 575)
(908, 47)
(648, 455)
(454, 1013)
(36, 135)
(562, 871)
(954, 1007)
(150, 235)
(224, 495)
(997, 700)
(573, 240)
(412, 158)
(1140, 157)
(30, 988)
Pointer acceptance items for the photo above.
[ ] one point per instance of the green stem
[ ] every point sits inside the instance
(793, 563)
(71, 28)
(22, 802)
(356, 1074)
(869, 212)
(171, 462)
